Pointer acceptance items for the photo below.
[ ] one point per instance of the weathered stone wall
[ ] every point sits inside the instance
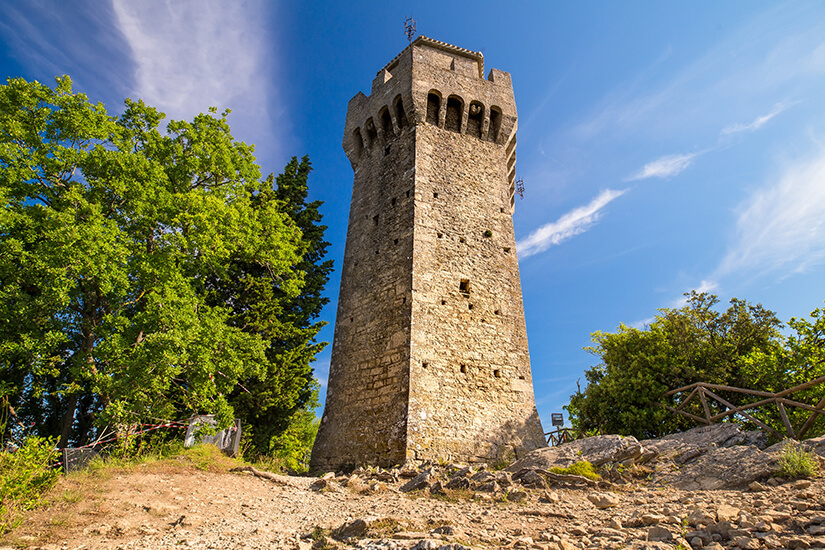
(430, 355)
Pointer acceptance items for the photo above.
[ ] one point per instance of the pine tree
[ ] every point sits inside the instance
(270, 403)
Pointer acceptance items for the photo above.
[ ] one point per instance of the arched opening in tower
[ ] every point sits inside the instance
(455, 109)
(400, 114)
(358, 141)
(386, 124)
(372, 133)
(495, 124)
(474, 118)
(433, 106)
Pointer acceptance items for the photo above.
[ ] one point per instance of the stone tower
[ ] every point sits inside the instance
(429, 357)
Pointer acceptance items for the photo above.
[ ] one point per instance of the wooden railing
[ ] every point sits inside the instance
(562, 435)
(703, 392)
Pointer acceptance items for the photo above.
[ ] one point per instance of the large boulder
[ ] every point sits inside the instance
(723, 468)
(597, 450)
(708, 457)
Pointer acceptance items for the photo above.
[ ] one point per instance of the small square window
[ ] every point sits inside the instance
(464, 368)
(497, 373)
(464, 286)
(392, 202)
(435, 195)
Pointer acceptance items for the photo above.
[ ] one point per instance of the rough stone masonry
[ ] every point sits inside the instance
(429, 358)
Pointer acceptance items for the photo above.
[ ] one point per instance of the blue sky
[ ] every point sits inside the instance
(664, 146)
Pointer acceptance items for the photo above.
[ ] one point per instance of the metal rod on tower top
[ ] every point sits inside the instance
(409, 28)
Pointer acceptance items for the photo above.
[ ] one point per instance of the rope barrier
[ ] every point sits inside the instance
(149, 428)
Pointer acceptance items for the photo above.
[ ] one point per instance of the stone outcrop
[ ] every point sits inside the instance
(708, 457)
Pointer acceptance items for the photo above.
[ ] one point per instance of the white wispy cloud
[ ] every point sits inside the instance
(781, 47)
(757, 123)
(193, 54)
(781, 228)
(573, 223)
(664, 167)
(642, 324)
(704, 286)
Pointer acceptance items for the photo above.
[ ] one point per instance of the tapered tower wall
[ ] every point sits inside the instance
(430, 355)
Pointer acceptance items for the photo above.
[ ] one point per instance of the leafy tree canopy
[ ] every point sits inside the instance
(144, 272)
(694, 343)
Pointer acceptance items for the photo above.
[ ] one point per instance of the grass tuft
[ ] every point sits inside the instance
(796, 462)
(25, 476)
(583, 468)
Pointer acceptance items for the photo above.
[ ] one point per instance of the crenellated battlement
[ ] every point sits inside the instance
(432, 82)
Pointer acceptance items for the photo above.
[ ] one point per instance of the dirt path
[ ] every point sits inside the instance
(158, 507)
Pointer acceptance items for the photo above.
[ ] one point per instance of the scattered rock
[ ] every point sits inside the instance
(355, 528)
(757, 487)
(726, 512)
(603, 500)
(657, 533)
(420, 481)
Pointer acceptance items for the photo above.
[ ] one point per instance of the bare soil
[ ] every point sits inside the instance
(180, 504)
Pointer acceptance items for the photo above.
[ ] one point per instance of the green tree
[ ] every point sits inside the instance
(110, 230)
(694, 343)
(798, 358)
(284, 391)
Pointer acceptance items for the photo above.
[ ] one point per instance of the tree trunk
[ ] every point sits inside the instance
(67, 422)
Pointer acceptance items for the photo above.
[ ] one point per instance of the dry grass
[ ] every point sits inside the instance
(76, 500)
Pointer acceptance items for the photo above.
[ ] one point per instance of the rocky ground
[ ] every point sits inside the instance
(709, 488)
